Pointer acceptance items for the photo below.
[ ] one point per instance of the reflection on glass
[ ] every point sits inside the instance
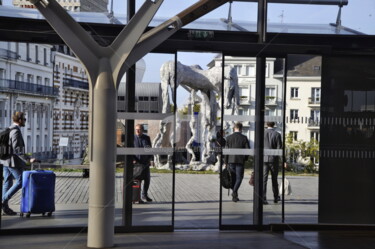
(347, 141)
(302, 136)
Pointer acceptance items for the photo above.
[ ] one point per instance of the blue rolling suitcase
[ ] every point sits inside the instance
(38, 192)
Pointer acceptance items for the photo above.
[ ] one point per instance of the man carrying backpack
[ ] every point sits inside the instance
(17, 161)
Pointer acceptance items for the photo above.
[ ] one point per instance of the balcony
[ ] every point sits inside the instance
(7, 54)
(270, 101)
(16, 86)
(313, 102)
(245, 100)
(75, 84)
(313, 123)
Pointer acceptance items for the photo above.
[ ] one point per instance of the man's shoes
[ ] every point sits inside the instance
(265, 202)
(140, 201)
(235, 197)
(277, 199)
(8, 211)
(146, 199)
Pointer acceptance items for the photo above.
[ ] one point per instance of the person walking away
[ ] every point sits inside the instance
(236, 162)
(14, 166)
(272, 140)
(143, 141)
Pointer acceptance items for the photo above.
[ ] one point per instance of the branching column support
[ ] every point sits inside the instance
(105, 67)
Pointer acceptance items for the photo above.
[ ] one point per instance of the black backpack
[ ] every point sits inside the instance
(5, 150)
(226, 179)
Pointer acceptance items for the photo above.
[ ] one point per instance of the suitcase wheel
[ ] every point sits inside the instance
(49, 214)
(28, 215)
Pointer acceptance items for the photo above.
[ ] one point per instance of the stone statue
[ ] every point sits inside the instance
(209, 83)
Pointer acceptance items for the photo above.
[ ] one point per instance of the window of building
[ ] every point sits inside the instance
(270, 112)
(270, 91)
(30, 78)
(36, 54)
(45, 56)
(294, 92)
(238, 69)
(28, 52)
(294, 135)
(250, 70)
(46, 81)
(121, 98)
(2, 73)
(293, 114)
(38, 80)
(315, 135)
(315, 116)
(315, 95)
(154, 98)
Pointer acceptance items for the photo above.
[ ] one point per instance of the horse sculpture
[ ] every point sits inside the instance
(210, 84)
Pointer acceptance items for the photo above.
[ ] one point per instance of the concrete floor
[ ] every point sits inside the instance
(202, 239)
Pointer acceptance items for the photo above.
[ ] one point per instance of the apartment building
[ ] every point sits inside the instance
(72, 5)
(26, 85)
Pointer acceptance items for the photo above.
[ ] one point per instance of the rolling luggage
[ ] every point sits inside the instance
(38, 192)
(136, 191)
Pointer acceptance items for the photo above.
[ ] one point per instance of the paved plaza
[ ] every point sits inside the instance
(196, 203)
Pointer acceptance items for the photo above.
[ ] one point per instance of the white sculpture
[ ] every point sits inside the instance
(209, 83)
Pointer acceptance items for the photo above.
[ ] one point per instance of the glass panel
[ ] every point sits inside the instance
(239, 212)
(274, 98)
(347, 141)
(302, 137)
(321, 19)
(54, 114)
(158, 126)
(197, 164)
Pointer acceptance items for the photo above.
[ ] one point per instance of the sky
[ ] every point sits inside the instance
(358, 15)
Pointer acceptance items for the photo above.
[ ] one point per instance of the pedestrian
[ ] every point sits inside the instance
(14, 166)
(143, 141)
(272, 140)
(237, 162)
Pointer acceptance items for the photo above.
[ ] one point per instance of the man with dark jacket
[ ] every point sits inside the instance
(143, 141)
(236, 162)
(272, 140)
(13, 167)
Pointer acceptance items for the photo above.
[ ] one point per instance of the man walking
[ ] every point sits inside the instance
(13, 167)
(272, 140)
(236, 162)
(143, 141)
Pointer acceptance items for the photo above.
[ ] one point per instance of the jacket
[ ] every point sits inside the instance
(237, 141)
(18, 159)
(142, 141)
(272, 140)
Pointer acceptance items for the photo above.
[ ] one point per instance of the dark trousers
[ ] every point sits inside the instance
(274, 168)
(237, 172)
(147, 180)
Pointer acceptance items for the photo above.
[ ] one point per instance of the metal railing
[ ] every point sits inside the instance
(7, 54)
(26, 87)
(314, 101)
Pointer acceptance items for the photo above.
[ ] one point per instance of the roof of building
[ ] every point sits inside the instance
(202, 23)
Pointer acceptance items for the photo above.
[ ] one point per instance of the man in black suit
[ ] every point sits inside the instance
(236, 162)
(272, 140)
(143, 141)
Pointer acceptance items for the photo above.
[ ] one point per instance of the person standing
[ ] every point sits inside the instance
(236, 162)
(143, 141)
(272, 140)
(13, 167)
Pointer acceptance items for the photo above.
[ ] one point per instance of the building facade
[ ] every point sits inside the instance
(26, 85)
(71, 108)
(72, 5)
